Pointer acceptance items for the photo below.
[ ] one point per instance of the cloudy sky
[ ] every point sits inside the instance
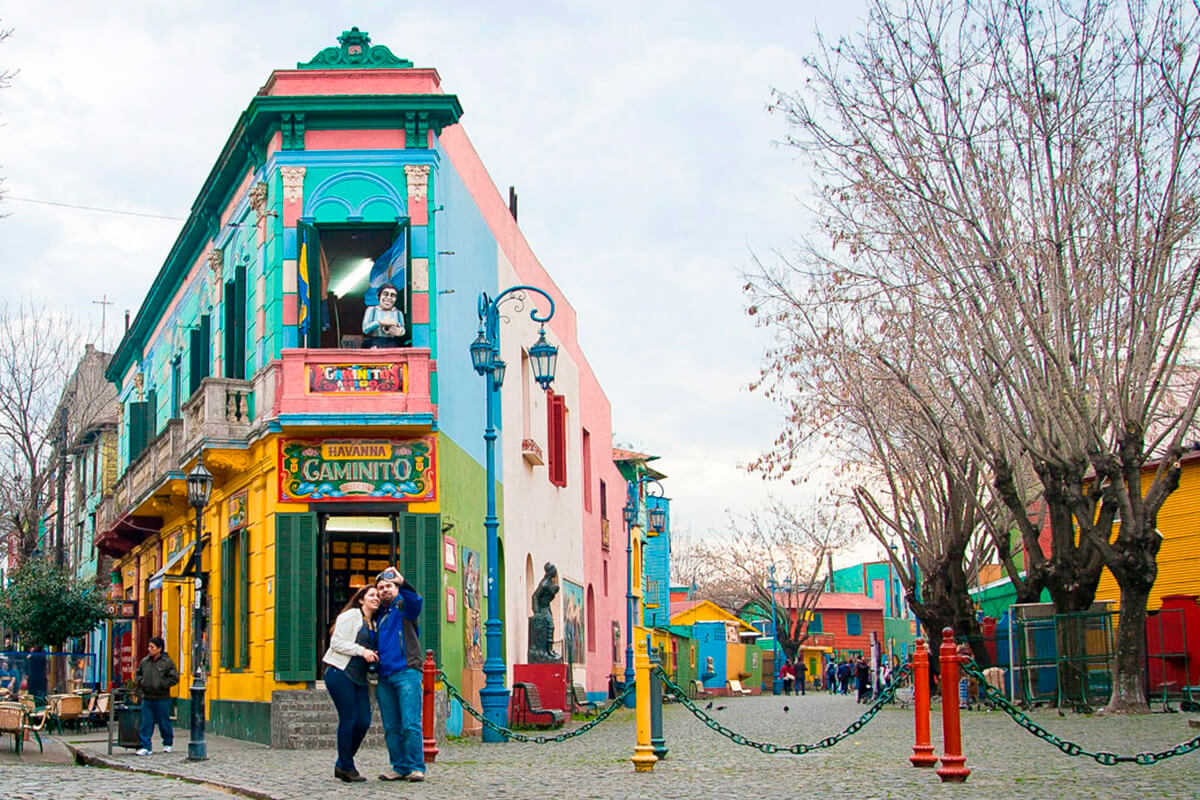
(635, 133)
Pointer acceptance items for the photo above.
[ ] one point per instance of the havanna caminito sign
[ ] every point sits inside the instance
(357, 469)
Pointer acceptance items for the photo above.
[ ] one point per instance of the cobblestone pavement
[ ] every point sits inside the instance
(1006, 762)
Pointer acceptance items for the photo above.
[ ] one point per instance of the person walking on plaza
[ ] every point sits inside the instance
(844, 671)
(831, 677)
(862, 673)
(801, 670)
(399, 689)
(156, 674)
(352, 647)
(787, 676)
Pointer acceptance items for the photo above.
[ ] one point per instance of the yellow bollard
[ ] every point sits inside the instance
(643, 753)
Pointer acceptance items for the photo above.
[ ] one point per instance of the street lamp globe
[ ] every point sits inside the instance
(199, 485)
(481, 353)
(658, 519)
(543, 357)
(630, 514)
(498, 367)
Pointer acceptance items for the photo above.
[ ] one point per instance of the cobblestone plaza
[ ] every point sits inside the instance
(1006, 761)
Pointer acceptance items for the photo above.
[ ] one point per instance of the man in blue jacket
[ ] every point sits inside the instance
(399, 688)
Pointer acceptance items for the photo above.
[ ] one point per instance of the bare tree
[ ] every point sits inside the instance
(38, 349)
(1025, 177)
(736, 569)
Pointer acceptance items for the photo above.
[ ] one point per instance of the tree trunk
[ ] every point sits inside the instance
(1128, 693)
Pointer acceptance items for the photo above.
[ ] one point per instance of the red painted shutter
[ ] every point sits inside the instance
(556, 427)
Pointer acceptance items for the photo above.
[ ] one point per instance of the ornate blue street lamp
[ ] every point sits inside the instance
(658, 522)
(485, 358)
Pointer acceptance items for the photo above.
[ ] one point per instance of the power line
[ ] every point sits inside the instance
(93, 208)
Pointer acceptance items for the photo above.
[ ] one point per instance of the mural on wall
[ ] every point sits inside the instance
(472, 606)
(573, 622)
(357, 469)
(616, 642)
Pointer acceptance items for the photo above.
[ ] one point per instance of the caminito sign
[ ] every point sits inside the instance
(357, 378)
(357, 469)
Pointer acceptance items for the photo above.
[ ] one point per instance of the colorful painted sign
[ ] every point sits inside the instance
(472, 607)
(237, 509)
(358, 378)
(121, 609)
(357, 469)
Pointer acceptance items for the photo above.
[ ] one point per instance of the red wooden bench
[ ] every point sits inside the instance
(527, 708)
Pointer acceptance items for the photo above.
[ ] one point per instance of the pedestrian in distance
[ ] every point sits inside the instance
(862, 674)
(399, 690)
(831, 677)
(156, 674)
(353, 645)
(801, 670)
(844, 671)
(787, 676)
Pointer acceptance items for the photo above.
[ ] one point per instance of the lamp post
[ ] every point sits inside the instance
(485, 358)
(199, 485)
(774, 637)
(657, 522)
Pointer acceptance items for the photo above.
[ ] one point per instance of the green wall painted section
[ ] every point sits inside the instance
(237, 719)
(465, 509)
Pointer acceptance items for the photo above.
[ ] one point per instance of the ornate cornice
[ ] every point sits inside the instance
(216, 263)
(418, 180)
(258, 198)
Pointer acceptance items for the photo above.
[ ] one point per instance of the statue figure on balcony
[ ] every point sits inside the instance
(383, 325)
(541, 624)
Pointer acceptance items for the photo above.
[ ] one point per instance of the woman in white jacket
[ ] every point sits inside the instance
(353, 643)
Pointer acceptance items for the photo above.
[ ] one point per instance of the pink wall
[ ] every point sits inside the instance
(291, 82)
(595, 413)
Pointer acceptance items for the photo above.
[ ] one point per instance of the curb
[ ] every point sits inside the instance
(85, 758)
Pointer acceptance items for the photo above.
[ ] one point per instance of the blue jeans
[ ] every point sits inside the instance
(399, 696)
(353, 703)
(156, 712)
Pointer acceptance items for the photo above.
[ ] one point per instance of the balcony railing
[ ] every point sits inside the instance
(349, 385)
(217, 415)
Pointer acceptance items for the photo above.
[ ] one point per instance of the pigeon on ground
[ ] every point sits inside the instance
(786, 709)
(720, 708)
(709, 706)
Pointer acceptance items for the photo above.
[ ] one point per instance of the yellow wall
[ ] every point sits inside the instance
(256, 471)
(1179, 557)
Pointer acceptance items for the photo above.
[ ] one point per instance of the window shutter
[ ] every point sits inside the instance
(227, 602)
(138, 438)
(205, 346)
(295, 597)
(557, 436)
(240, 321)
(195, 361)
(431, 623)
(244, 600)
(230, 326)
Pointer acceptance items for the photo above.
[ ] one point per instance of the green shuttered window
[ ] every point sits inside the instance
(295, 597)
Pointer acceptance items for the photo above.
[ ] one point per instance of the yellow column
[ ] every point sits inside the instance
(643, 754)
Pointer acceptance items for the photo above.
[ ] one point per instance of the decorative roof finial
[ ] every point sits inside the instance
(356, 52)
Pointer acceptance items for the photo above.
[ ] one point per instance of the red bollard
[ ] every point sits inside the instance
(923, 750)
(953, 769)
(429, 676)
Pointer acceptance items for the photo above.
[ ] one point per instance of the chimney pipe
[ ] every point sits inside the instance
(127, 320)
(512, 202)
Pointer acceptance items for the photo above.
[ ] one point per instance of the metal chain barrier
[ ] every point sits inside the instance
(1104, 757)
(885, 696)
(538, 738)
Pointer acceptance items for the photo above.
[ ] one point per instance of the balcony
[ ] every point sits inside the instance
(216, 416)
(388, 386)
(118, 529)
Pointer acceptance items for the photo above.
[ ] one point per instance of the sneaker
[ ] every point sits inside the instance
(143, 752)
(166, 748)
(416, 776)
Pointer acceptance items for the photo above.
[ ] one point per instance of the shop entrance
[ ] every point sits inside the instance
(354, 549)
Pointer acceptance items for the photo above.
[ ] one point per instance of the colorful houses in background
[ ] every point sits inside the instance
(337, 449)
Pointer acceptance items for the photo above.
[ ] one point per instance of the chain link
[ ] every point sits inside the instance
(1070, 748)
(509, 733)
(799, 749)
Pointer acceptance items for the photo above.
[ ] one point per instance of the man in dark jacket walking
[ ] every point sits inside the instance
(156, 674)
(399, 690)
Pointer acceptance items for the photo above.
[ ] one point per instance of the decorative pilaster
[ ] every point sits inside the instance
(258, 202)
(293, 194)
(417, 177)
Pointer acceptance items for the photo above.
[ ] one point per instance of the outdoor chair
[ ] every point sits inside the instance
(527, 708)
(12, 720)
(580, 702)
(735, 688)
(100, 710)
(66, 709)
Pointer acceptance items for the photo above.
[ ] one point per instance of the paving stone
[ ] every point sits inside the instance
(1006, 761)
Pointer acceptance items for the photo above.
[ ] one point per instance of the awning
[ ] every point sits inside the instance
(156, 580)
